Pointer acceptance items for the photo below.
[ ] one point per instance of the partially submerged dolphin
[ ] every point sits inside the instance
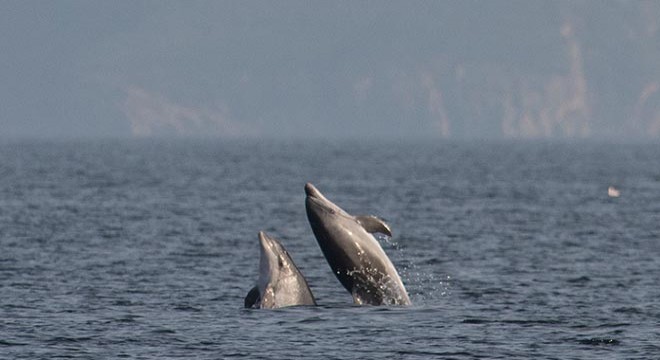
(354, 255)
(280, 282)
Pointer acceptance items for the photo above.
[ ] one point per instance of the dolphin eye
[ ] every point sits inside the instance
(280, 263)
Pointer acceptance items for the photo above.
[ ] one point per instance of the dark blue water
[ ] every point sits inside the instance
(145, 249)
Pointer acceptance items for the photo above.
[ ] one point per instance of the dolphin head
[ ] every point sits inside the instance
(280, 282)
(319, 206)
(274, 262)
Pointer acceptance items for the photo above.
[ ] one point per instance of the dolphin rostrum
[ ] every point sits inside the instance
(280, 282)
(354, 255)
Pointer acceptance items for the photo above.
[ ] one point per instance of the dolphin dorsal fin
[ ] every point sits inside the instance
(373, 224)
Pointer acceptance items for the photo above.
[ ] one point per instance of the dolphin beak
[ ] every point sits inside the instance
(264, 240)
(312, 191)
(316, 200)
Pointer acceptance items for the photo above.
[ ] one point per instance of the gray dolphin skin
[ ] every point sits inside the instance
(280, 282)
(354, 255)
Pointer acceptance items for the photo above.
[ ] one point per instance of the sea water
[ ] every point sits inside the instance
(145, 249)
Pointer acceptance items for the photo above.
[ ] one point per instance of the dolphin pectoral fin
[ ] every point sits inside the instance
(252, 297)
(373, 224)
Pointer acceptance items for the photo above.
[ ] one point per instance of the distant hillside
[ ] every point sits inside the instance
(468, 69)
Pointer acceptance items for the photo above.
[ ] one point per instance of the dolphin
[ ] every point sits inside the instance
(354, 255)
(280, 282)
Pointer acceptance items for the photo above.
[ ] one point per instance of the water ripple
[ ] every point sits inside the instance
(146, 249)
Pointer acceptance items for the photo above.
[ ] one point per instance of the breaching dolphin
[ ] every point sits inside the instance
(354, 255)
(280, 282)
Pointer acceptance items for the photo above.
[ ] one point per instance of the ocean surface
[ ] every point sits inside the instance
(145, 249)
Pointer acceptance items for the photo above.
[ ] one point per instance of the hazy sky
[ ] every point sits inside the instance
(528, 69)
